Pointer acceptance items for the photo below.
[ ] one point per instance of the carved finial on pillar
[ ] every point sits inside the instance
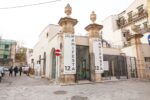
(68, 10)
(93, 17)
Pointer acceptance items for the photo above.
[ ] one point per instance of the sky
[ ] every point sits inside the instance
(24, 24)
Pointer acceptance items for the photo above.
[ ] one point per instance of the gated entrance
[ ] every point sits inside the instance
(117, 67)
(82, 63)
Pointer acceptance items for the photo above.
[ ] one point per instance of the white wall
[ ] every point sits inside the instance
(146, 50)
(54, 43)
(129, 51)
(45, 44)
(29, 55)
(111, 51)
(82, 40)
(110, 31)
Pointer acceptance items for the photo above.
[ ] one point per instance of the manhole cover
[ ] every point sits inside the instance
(79, 98)
(60, 92)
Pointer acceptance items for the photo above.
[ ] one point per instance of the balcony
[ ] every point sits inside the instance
(145, 29)
(135, 18)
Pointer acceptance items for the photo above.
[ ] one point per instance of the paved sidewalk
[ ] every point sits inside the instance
(27, 88)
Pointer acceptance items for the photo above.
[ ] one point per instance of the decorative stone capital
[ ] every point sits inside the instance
(93, 26)
(67, 24)
(93, 30)
(65, 20)
(135, 36)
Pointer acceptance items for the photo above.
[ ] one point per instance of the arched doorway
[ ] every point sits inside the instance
(44, 63)
(53, 73)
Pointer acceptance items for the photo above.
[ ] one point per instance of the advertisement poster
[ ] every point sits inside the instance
(69, 54)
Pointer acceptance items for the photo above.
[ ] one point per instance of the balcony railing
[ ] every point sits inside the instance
(145, 29)
(135, 18)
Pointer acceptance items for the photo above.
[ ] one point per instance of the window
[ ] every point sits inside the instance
(2, 46)
(1, 56)
(147, 59)
(5, 56)
(124, 35)
(47, 35)
(145, 24)
(6, 46)
(130, 16)
(122, 21)
(140, 10)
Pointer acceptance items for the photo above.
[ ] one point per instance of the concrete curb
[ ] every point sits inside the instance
(94, 82)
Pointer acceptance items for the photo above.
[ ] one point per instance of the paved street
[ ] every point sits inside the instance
(27, 88)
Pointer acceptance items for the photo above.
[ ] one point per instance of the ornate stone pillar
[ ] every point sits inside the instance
(67, 23)
(135, 40)
(94, 32)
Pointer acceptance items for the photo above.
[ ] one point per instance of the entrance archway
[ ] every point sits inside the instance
(53, 72)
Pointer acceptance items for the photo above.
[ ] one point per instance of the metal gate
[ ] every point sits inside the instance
(82, 63)
(131, 65)
(117, 67)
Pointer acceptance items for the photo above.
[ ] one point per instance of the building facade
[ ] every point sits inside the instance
(7, 52)
(129, 30)
(62, 56)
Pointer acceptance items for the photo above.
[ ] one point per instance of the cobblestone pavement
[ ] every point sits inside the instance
(27, 88)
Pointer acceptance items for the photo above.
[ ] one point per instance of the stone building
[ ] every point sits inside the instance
(62, 56)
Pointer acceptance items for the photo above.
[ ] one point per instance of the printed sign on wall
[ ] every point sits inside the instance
(69, 54)
(106, 65)
(98, 54)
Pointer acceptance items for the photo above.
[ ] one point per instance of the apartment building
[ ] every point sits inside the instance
(129, 30)
(7, 52)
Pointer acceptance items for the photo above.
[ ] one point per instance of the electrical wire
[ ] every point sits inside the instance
(28, 5)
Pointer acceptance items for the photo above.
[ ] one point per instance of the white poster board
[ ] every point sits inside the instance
(69, 54)
(98, 55)
(106, 66)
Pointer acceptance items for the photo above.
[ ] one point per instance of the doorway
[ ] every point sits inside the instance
(44, 63)
(82, 63)
(53, 64)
